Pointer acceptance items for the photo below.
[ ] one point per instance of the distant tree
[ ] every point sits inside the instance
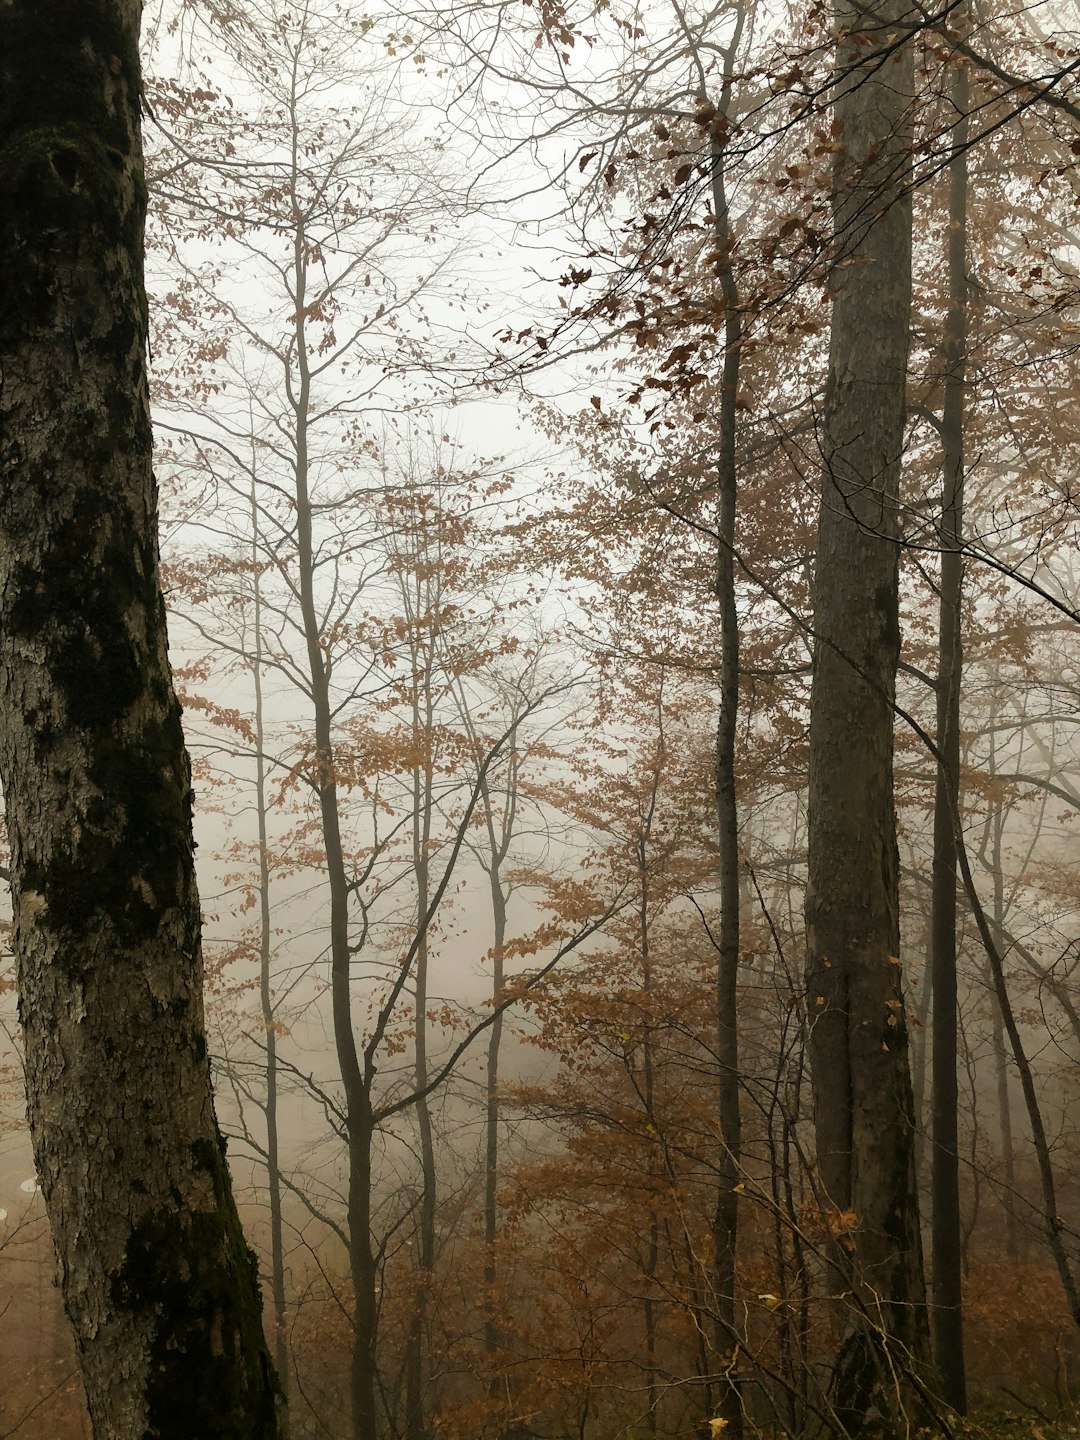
(157, 1280)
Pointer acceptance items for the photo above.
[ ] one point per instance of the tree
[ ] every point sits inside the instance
(948, 1327)
(858, 1036)
(157, 1280)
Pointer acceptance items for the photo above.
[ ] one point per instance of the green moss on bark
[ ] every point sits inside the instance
(85, 602)
(143, 813)
(207, 1357)
(65, 143)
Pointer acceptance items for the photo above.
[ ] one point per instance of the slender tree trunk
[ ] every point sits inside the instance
(858, 1033)
(266, 996)
(1008, 1161)
(355, 1080)
(491, 1116)
(423, 726)
(648, 1067)
(996, 821)
(948, 1315)
(726, 1212)
(498, 842)
(363, 1272)
(921, 1045)
(160, 1287)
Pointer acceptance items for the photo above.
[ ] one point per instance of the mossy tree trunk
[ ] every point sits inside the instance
(858, 1038)
(157, 1280)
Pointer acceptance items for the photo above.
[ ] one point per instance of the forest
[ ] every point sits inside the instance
(539, 684)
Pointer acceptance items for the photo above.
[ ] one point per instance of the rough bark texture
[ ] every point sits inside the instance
(858, 1044)
(159, 1284)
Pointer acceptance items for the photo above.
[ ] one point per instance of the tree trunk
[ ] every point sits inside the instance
(266, 996)
(921, 1045)
(497, 853)
(727, 1338)
(858, 1035)
(423, 805)
(648, 1069)
(160, 1287)
(996, 821)
(355, 1081)
(948, 1315)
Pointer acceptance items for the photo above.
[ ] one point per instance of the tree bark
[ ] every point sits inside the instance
(159, 1284)
(858, 1035)
(948, 1315)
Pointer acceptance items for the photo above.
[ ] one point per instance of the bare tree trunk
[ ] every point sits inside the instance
(1008, 1159)
(423, 800)
(498, 848)
(159, 1284)
(266, 997)
(948, 1315)
(920, 1045)
(648, 1065)
(995, 824)
(858, 1032)
(355, 1080)
(499, 837)
(726, 1211)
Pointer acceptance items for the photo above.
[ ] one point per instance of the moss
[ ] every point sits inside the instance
(139, 821)
(69, 84)
(193, 1277)
(73, 602)
(74, 598)
(886, 603)
(44, 85)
